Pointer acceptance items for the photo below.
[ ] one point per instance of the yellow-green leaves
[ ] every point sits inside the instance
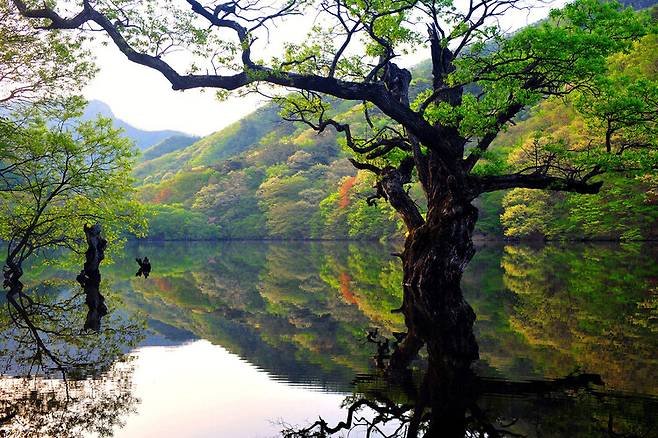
(569, 52)
(36, 65)
(60, 174)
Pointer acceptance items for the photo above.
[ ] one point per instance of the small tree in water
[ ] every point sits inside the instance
(58, 175)
(481, 80)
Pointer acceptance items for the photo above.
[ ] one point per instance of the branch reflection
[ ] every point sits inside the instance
(457, 403)
(60, 374)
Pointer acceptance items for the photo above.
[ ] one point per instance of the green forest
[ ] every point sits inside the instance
(264, 177)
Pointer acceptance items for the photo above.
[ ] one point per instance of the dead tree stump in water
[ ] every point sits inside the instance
(90, 277)
(144, 267)
(12, 273)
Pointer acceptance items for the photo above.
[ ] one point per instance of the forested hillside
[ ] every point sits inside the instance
(263, 177)
(626, 206)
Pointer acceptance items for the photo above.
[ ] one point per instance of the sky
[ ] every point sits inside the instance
(144, 98)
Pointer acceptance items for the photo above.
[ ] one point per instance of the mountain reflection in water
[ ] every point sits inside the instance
(249, 339)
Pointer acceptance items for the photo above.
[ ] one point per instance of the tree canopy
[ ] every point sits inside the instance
(59, 174)
(349, 55)
(37, 66)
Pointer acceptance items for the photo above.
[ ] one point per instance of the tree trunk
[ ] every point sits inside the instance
(90, 277)
(436, 314)
(434, 259)
(12, 275)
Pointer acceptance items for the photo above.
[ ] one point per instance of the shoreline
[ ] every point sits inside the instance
(475, 240)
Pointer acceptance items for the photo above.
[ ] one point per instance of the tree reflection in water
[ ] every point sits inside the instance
(59, 378)
(304, 323)
(445, 396)
(40, 407)
(456, 403)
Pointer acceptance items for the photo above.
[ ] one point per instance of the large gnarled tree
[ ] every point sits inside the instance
(481, 80)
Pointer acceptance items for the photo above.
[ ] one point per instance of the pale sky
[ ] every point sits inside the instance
(144, 98)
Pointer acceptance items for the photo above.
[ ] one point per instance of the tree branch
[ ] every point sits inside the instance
(484, 184)
(376, 93)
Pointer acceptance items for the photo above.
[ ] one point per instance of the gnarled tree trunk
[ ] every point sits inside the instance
(434, 258)
(90, 277)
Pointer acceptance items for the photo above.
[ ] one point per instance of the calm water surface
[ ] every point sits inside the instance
(244, 338)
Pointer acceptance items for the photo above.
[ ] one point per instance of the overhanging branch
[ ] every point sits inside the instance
(375, 93)
(484, 184)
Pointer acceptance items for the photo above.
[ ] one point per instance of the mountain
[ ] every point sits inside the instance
(157, 163)
(143, 139)
(263, 177)
(169, 144)
(639, 4)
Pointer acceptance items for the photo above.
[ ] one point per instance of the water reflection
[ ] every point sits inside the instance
(46, 338)
(61, 374)
(466, 405)
(43, 407)
(289, 308)
(58, 379)
(275, 305)
(553, 322)
(302, 312)
(579, 307)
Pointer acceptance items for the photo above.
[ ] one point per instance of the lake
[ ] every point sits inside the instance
(245, 339)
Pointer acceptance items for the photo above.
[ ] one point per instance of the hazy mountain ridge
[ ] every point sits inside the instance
(223, 144)
(143, 139)
(169, 144)
(639, 4)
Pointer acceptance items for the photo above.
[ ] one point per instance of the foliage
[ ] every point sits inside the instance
(175, 222)
(584, 55)
(59, 174)
(37, 65)
(624, 115)
(169, 144)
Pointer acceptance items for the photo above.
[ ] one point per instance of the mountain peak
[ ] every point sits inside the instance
(143, 139)
(96, 107)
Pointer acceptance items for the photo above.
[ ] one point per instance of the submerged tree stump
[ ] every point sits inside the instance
(12, 273)
(90, 277)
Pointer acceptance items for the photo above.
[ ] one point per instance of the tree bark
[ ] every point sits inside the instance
(436, 313)
(90, 277)
(434, 258)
